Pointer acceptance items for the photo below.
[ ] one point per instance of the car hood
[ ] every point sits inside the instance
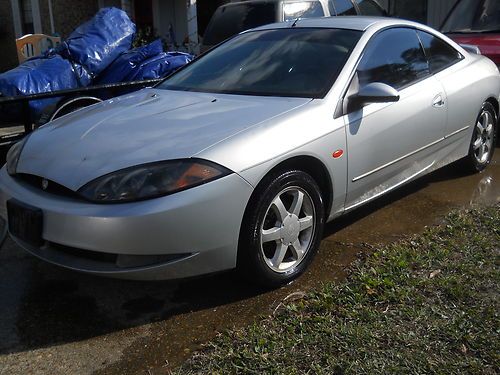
(489, 44)
(147, 126)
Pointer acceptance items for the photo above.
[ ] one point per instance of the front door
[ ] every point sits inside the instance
(390, 143)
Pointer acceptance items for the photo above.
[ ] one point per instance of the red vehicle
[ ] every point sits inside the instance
(476, 22)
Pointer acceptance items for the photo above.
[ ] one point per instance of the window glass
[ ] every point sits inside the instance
(344, 8)
(370, 8)
(235, 18)
(394, 57)
(440, 54)
(303, 9)
(295, 62)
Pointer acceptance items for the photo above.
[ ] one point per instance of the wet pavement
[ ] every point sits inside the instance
(54, 321)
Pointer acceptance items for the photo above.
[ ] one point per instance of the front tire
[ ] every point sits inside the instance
(282, 228)
(483, 140)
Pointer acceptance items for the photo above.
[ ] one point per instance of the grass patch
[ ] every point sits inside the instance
(428, 304)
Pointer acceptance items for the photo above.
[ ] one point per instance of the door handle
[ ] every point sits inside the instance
(438, 101)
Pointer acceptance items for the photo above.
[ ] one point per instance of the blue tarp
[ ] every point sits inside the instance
(37, 75)
(98, 42)
(146, 62)
(96, 52)
(128, 61)
(160, 66)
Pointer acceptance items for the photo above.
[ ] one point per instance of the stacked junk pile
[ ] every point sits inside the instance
(97, 52)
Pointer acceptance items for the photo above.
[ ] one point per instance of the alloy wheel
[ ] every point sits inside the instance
(483, 137)
(287, 231)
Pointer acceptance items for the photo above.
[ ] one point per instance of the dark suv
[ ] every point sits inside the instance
(235, 17)
(476, 22)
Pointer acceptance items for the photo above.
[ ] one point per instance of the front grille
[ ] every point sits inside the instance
(52, 187)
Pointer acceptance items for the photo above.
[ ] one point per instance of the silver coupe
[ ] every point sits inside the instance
(239, 159)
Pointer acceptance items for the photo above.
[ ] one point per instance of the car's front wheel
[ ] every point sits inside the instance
(483, 139)
(282, 228)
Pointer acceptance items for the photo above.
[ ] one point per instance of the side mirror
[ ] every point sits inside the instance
(376, 92)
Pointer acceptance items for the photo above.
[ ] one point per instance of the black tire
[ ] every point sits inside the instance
(251, 254)
(471, 162)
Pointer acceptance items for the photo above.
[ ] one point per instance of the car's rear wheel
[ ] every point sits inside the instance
(282, 228)
(483, 140)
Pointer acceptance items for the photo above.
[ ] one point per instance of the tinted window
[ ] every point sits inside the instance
(440, 54)
(303, 9)
(344, 8)
(283, 62)
(474, 16)
(370, 8)
(233, 19)
(394, 57)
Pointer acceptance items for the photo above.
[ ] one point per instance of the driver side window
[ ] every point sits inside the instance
(394, 57)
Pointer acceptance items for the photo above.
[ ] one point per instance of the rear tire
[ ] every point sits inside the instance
(282, 228)
(483, 142)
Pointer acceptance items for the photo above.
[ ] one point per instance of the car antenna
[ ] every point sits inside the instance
(295, 22)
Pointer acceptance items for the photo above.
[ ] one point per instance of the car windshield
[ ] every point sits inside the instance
(235, 18)
(474, 16)
(292, 62)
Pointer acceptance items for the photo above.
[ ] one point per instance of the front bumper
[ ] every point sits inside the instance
(186, 234)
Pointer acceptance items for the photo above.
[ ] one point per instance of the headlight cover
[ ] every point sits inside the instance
(13, 156)
(151, 180)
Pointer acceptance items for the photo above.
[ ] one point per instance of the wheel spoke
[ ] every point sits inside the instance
(477, 143)
(297, 250)
(480, 127)
(279, 208)
(489, 130)
(306, 222)
(279, 255)
(483, 154)
(298, 200)
(273, 234)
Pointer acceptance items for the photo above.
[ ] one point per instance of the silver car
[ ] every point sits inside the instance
(239, 159)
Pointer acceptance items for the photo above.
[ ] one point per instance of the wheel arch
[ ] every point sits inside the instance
(312, 166)
(494, 102)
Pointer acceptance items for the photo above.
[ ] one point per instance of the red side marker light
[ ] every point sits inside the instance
(338, 154)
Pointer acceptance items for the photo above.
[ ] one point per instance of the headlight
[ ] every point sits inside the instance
(151, 180)
(13, 156)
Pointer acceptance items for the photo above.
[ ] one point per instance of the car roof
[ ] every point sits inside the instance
(360, 23)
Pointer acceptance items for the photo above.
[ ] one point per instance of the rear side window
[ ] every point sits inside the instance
(342, 8)
(394, 57)
(233, 19)
(439, 53)
(302, 9)
(370, 8)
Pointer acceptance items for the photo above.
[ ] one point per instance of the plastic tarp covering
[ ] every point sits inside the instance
(129, 61)
(98, 42)
(160, 66)
(39, 75)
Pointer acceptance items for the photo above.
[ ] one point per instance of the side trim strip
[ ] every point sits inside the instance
(410, 154)
(456, 132)
(390, 188)
(397, 160)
